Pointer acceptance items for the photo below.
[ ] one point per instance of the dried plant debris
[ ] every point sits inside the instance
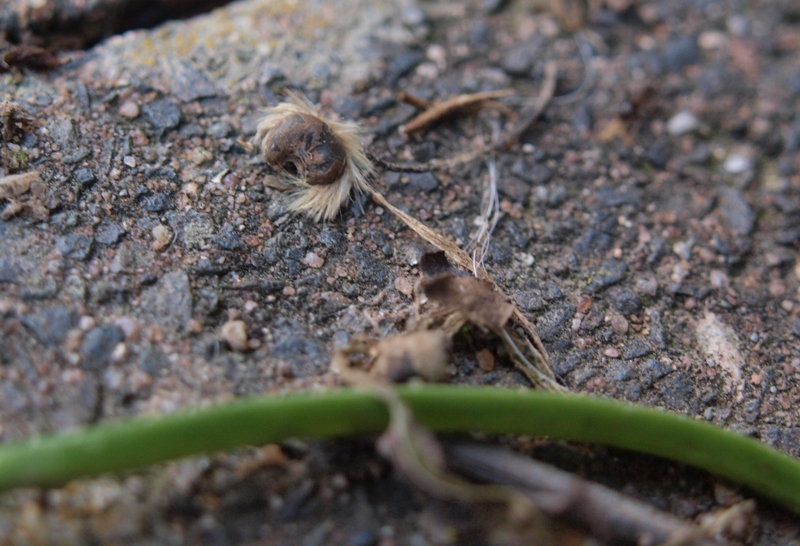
(468, 300)
(602, 512)
(398, 358)
(24, 192)
(438, 111)
(322, 159)
(415, 452)
(28, 56)
(15, 122)
(523, 126)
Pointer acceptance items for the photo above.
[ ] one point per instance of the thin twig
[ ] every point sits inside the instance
(437, 111)
(544, 97)
(606, 514)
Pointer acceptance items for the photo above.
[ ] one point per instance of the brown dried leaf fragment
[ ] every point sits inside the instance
(29, 56)
(15, 185)
(398, 358)
(473, 298)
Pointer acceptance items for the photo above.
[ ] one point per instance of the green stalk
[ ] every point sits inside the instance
(54, 460)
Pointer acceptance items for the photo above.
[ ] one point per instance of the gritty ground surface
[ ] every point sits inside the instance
(657, 255)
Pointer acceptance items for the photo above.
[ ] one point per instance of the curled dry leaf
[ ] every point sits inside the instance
(322, 159)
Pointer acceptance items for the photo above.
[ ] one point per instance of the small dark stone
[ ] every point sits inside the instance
(552, 292)
(481, 34)
(108, 233)
(659, 154)
(97, 346)
(609, 273)
(158, 202)
(593, 243)
(657, 369)
(191, 130)
(562, 366)
(50, 326)
(553, 322)
(615, 197)
(680, 53)
(76, 156)
(519, 59)
(426, 182)
(331, 238)
(75, 245)
(678, 394)
(305, 355)
(190, 84)
(152, 361)
(401, 65)
(220, 130)
(582, 376)
(169, 302)
(582, 120)
(625, 301)
(228, 239)
(618, 370)
(738, 213)
(636, 349)
(593, 320)
(530, 300)
(84, 177)
(162, 114)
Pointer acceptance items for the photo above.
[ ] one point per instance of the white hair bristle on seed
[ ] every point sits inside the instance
(293, 133)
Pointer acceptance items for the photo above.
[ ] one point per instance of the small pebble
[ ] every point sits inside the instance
(619, 324)
(485, 360)
(129, 109)
(737, 164)
(129, 326)
(129, 161)
(404, 286)
(682, 123)
(313, 260)
(611, 352)
(120, 352)
(86, 323)
(234, 332)
(162, 235)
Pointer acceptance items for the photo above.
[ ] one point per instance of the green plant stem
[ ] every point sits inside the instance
(55, 460)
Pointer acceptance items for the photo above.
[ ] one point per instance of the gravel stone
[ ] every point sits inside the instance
(636, 349)
(626, 301)
(189, 84)
(108, 233)
(50, 326)
(162, 114)
(84, 176)
(75, 245)
(618, 370)
(609, 273)
(97, 346)
(158, 202)
(169, 302)
(228, 239)
(738, 213)
(682, 123)
(680, 53)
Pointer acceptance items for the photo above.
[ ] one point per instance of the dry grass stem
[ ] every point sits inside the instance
(435, 112)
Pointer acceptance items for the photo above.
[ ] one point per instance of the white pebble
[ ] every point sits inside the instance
(682, 123)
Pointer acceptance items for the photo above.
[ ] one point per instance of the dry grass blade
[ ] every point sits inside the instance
(437, 111)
